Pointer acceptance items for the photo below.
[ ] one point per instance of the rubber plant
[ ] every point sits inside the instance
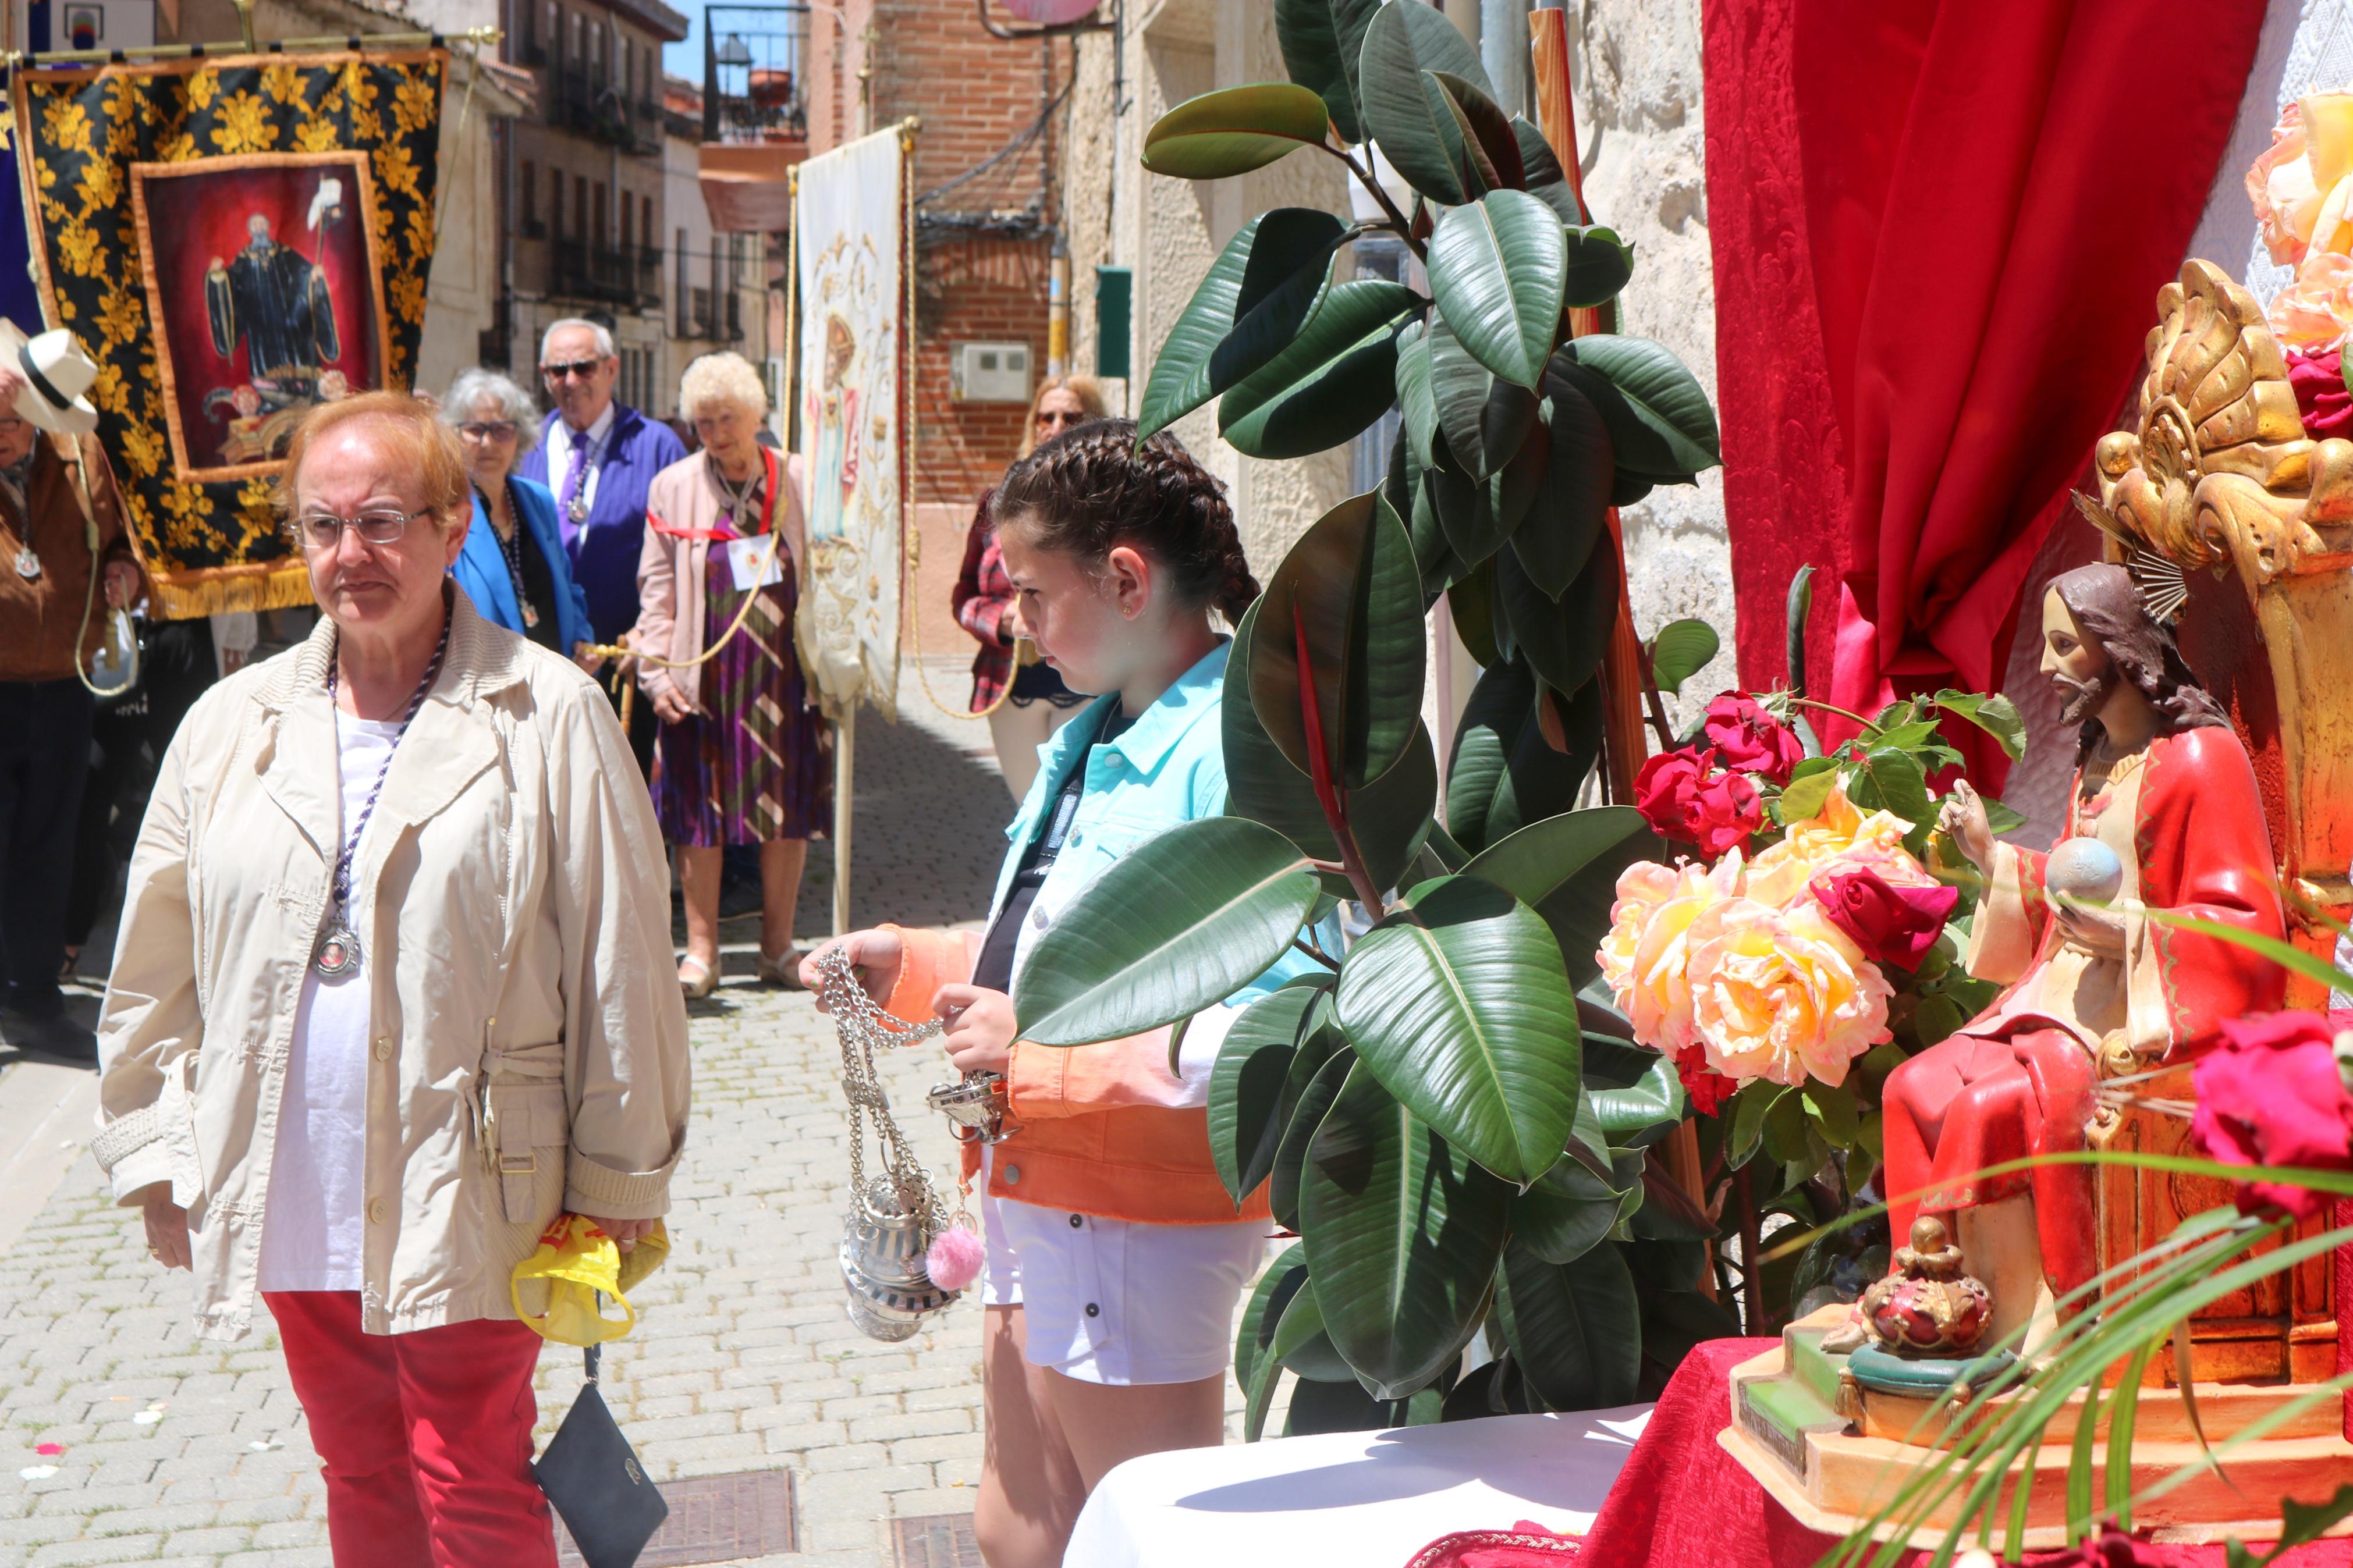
(1458, 1137)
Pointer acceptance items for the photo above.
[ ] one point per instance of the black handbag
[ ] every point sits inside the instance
(592, 1476)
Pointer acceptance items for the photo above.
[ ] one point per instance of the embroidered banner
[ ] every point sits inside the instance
(850, 238)
(233, 241)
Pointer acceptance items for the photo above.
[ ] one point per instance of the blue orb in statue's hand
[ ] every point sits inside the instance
(2083, 869)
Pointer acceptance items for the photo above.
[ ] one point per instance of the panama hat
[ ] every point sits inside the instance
(58, 378)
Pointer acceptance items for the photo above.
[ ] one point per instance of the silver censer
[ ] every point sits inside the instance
(882, 1263)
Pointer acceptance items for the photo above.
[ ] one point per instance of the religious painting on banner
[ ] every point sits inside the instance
(234, 240)
(267, 295)
(849, 235)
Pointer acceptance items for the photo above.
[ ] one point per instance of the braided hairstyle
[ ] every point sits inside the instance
(1089, 490)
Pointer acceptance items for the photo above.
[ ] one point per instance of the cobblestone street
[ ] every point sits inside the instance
(161, 1448)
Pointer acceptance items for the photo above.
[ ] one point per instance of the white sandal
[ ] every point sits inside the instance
(705, 982)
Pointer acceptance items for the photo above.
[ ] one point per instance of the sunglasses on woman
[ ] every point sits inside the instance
(1048, 418)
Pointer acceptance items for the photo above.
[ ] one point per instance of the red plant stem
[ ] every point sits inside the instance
(1651, 695)
(1319, 769)
(1752, 1242)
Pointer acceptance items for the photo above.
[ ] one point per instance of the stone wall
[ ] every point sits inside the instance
(1636, 77)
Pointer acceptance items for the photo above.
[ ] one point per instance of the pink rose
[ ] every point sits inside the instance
(1748, 738)
(1646, 957)
(1892, 924)
(1782, 994)
(2280, 189)
(2273, 1094)
(1726, 811)
(2313, 312)
(1666, 788)
(2318, 380)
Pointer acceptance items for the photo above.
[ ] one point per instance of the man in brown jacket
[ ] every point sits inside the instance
(51, 622)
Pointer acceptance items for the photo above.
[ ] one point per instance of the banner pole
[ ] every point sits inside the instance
(845, 750)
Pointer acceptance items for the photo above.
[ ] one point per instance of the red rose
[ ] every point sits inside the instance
(2112, 1548)
(1707, 1087)
(2319, 381)
(1666, 788)
(1748, 738)
(1726, 811)
(1891, 925)
(2273, 1095)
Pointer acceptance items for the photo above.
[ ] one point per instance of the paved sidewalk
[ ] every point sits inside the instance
(181, 1451)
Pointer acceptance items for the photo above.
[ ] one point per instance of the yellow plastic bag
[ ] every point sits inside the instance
(555, 1288)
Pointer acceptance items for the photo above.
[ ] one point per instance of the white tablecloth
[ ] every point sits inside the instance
(1367, 1500)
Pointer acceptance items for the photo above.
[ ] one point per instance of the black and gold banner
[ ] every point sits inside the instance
(233, 241)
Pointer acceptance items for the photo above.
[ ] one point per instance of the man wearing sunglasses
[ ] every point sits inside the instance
(598, 456)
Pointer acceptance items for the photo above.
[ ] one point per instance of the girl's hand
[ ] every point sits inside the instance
(875, 954)
(624, 1232)
(979, 1036)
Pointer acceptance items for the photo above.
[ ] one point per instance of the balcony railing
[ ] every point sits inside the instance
(628, 276)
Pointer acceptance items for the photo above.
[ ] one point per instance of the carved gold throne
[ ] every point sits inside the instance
(2220, 482)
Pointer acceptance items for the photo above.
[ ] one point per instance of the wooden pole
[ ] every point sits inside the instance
(1624, 742)
(845, 753)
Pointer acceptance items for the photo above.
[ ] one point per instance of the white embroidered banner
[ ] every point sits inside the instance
(850, 240)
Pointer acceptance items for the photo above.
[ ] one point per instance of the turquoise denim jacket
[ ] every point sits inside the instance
(1168, 768)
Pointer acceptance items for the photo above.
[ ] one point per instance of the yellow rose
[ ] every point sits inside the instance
(1837, 832)
(1782, 993)
(1646, 957)
(2314, 311)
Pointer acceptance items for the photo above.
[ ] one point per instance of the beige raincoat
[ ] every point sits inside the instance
(528, 1042)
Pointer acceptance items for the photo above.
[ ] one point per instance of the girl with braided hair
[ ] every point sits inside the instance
(1115, 1255)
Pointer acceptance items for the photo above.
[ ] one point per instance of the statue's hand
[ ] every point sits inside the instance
(1964, 821)
(2093, 928)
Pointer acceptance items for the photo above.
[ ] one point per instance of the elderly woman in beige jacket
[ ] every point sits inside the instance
(742, 758)
(392, 994)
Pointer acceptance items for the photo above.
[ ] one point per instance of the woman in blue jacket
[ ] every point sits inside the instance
(513, 566)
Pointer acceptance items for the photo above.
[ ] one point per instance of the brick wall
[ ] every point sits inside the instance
(975, 94)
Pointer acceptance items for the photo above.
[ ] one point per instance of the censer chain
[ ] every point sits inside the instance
(861, 1024)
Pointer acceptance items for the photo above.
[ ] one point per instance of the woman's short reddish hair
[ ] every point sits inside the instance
(412, 428)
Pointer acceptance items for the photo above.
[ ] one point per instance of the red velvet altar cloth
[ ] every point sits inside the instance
(1683, 1503)
(1930, 301)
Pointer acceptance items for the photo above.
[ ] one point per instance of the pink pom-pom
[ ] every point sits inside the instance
(955, 1259)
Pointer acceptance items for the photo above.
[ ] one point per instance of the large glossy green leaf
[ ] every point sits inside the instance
(1566, 867)
(1261, 782)
(1555, 539)
(1402, 1232)
(1391, 816)
(1181, 922)
(1656, 1096)
(1352, 586)
(1503, 775)
(1234, 131)
(1313, 1099)
(1320, 40)
(1486, 130)
(1599, 264)
(1659, 417)
(1343, 1406)
(1464, 507)
(1565, 1214)
(1255, 1369)
(1561, 639)
(1337, 376)
(1471, 601)
(1416, 399)
(1409, 498)
(1575, 1332)
(1547, 180)
(1459, 1003)
(1300, 1342)
(1497, 270)
(1404, 110)
(1246, 1088)
(1271, 273)
(1485, 417)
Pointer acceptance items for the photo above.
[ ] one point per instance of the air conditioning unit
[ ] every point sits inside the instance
(989, 373)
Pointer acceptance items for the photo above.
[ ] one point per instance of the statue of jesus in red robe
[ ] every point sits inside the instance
(2163, 782)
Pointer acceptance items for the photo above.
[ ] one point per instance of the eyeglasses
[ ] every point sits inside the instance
(10, 424)
(586, 369)
(1057, 416)
(324, 530)
(480, 430)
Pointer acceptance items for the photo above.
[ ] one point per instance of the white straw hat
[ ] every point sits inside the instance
(58, 378)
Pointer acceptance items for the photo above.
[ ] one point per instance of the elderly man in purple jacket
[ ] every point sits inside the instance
(598, 457)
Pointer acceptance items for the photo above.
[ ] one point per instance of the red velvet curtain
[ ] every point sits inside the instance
(1938, 228)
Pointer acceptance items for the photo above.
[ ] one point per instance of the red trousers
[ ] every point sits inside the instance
(425, 1437)
(1967, 1103)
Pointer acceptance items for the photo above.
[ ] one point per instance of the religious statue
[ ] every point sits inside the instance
(2165, 814)
(275, 298)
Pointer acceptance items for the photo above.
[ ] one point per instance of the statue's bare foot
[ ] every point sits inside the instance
(1848, 1337)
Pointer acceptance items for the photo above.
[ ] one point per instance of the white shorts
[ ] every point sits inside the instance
(1116, 1302)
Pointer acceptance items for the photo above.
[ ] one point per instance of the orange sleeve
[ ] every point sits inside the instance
(932, 959)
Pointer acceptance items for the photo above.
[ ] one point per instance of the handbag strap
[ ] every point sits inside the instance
(588, 1359)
